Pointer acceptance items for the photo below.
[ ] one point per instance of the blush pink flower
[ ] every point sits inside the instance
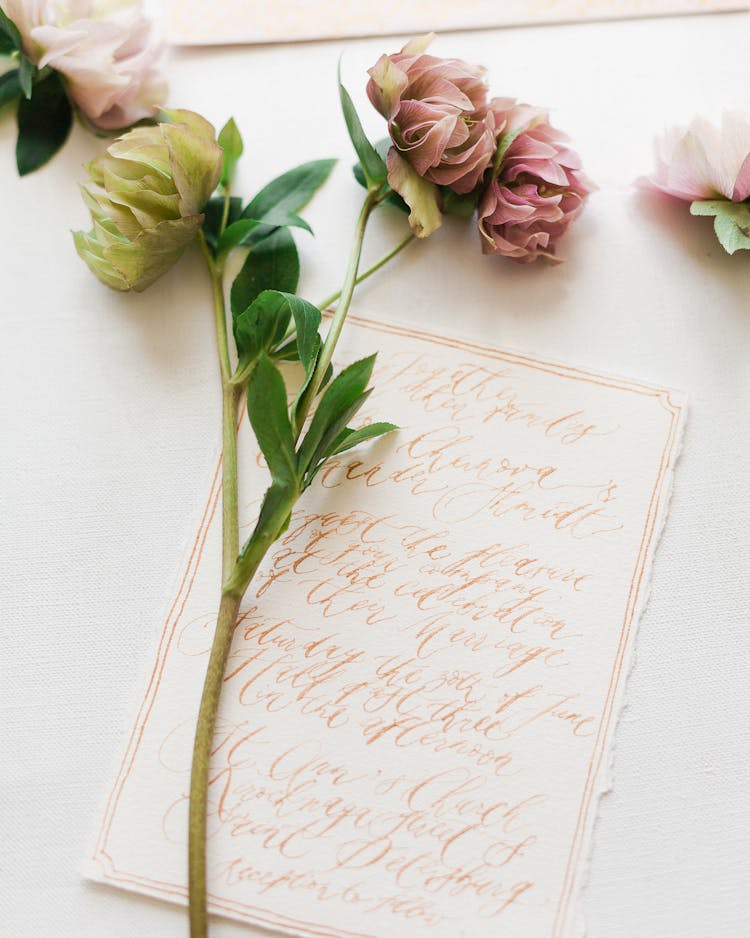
(537, 187)
(439, 123)
(103, 50)
(704, 162)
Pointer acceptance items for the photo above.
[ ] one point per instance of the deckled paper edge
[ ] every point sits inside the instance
(175, 34)
(92, 867)
(579, 925)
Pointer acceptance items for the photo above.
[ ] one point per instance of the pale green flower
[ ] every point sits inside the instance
(146, 196)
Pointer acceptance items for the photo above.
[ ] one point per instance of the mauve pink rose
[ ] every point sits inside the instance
(103, 50)
(537, 190)
(437, 114)
(703, 162)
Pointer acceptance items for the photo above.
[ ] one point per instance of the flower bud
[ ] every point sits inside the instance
(146, 196)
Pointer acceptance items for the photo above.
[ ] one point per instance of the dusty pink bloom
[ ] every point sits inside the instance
(437, 118)
(437, 114)
(705, 162)
(103, 50)
(537, 189)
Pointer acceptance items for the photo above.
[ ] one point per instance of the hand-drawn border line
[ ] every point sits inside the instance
(265, 917)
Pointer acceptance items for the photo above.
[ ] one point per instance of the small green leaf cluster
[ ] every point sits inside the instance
(44, 112)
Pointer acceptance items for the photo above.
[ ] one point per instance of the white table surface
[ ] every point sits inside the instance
(109, 416)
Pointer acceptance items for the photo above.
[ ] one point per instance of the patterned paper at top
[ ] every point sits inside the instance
(421, 697)
(196, 22)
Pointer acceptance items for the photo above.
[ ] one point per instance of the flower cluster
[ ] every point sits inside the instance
(103, 51)
(449, 139)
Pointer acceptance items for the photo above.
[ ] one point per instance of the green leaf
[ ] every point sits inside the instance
(266, 407)
(349, 438)
(213, 211)
(346, 390)
(731, 222)
(272, 264)
(373, 165)
(267, 410)
(284, 196)
(11, 38)
(44, 123)
(230, 141)
(345, 440)
(382, 147)
(259, 328)
(10, 87)
(26, 74)
(330, 435)
(245, 231)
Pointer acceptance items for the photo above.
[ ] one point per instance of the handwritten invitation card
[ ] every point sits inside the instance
(195, 22)
(419, 707)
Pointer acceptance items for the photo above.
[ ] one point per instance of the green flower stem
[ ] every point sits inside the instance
(334, 331)
(228, 609)
(371, 270)
(238, 571)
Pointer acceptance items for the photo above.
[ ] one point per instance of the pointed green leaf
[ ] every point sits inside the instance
(230, 141)
(272, 264)
(26, 73)
(245, 231)
(351, 438)
(332, 432)
(10, 87)
(267, 410)
(44, 123)
(347, 440)
(372, 163)
(10, 38)
(261, 326)
(290, 192)
(731, 222)
(345, 389)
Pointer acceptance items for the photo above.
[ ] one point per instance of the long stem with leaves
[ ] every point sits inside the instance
(262, 333)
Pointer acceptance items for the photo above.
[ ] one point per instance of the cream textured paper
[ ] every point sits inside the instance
(421, 696)
(195, 22)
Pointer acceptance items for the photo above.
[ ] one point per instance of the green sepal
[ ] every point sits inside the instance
(44, 123)
(731, 222)
(373, 164)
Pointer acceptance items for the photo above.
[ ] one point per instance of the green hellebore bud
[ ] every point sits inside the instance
(146, 196)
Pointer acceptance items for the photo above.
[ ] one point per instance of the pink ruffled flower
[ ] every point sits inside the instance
(537, 190)
(439, 122)
(704, 162)
(102, 49)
